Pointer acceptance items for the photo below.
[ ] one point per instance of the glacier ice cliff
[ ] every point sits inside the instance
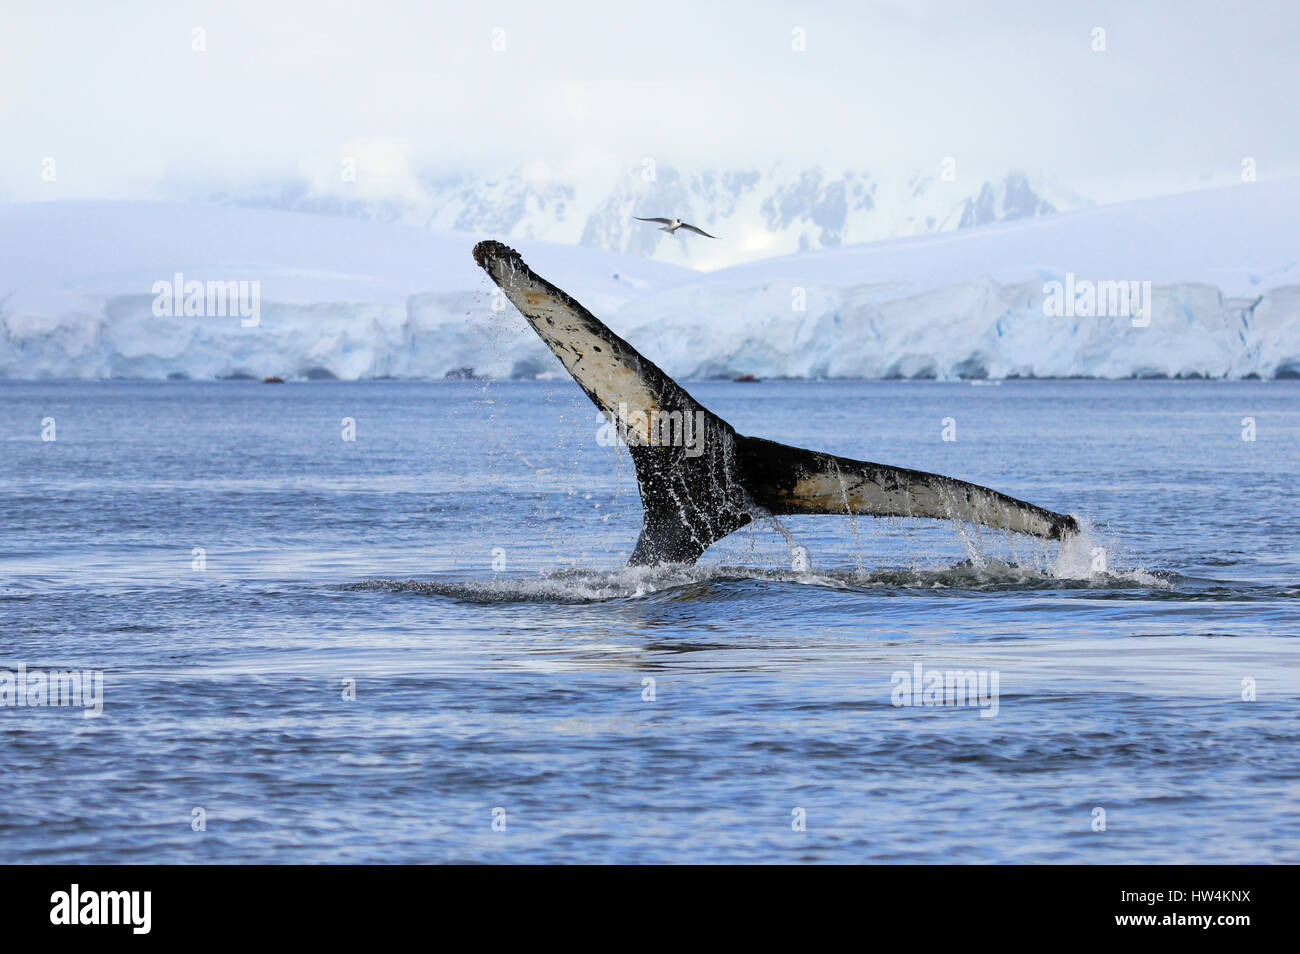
(350, 299)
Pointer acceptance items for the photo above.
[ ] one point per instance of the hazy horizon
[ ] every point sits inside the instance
(134, 103)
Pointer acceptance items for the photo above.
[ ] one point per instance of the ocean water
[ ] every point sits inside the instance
(421, 645)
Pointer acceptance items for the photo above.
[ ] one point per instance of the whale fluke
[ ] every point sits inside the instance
(699, 479)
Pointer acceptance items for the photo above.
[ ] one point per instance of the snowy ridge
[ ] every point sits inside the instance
(761, 213)
(354, 299)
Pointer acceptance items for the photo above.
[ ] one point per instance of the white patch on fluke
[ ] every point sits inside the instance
(598, 365)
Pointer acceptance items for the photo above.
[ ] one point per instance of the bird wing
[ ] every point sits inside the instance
(660, 221)
(692, 228)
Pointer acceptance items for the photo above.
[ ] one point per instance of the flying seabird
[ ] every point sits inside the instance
(672, 225)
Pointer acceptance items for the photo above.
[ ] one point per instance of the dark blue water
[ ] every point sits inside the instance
(461, 562)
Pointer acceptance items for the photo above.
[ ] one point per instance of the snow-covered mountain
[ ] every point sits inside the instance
(335, 297)
(759, 214)
(350, 299)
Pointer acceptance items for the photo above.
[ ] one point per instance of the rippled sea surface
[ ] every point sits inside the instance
(239, 572)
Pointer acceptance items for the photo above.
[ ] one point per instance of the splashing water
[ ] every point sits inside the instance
(1076, 565)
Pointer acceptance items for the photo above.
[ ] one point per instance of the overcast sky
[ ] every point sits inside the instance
(117, 95)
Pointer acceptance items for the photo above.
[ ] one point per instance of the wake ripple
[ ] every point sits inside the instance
(573, 585)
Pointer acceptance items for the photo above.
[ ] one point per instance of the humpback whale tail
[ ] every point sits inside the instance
(699, 479)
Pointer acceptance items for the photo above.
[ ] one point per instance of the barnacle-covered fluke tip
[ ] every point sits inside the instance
(490, 249)
(1064, 526)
